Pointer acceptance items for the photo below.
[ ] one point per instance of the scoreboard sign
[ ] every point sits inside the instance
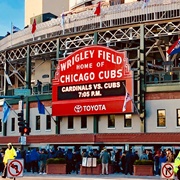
(92, 80)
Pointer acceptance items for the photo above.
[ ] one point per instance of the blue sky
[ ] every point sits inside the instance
(11, 11)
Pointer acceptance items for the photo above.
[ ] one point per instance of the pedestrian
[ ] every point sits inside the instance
(129, 162)
(136, 156)
(177, 166)
(105, 157)
(156, 163)
(113, 160)
(34, 160)
(117, 159)
(69, 161)
(144, 156)
(123, 162)
(10, 153)
(170, 156)
(77, 160)
(1, 160)
(162, 158)
(43, 158)
(28, 160)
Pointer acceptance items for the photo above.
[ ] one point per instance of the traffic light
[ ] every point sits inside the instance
(23, 126)
(21, 122)
(27, 130)
(20, 118)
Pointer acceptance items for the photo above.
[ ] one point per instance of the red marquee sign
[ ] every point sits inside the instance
(92, 80)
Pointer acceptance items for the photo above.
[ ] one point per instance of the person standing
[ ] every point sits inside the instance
(162, 159)
(129, 162)
(156, 163)
(170, 156)
(39, 86)
(34, 160)
(1, 160)
(69, 160)
(28, 160)
(10, 153)
(177, 166)
(144, 156)
(43, 158)
(105, 157)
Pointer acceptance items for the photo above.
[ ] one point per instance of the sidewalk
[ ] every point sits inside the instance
(117, 176)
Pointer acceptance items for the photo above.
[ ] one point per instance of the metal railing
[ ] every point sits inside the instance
(116, 15)
(163, 77)
(46, 88)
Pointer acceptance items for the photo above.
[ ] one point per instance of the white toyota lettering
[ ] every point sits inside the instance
(98, 107)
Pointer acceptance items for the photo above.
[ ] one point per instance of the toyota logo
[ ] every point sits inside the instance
(78, 108)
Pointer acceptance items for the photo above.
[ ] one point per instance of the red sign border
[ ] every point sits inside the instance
(127, 77)
(21, 170)
(166, 168)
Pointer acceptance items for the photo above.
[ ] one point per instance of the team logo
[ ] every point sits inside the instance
(78, 108)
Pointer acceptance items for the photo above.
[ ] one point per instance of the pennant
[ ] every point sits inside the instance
(98, 9)
(41, 107)
(175, 48)
(6, 111)
(145, 3)
(15, 29)
(127, 98)
(33, 26)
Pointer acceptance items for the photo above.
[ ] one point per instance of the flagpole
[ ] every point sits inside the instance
(45, 110)
(63, 22)
(11, 107)
(33, 33)
(11, 32)
(50, 115)
(132, 101)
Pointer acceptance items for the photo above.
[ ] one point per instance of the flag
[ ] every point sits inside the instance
(6, 111)
(6, 76)
(175, 48)
(41, 107)
(8, 79)
(33, 26)
(15, 29)
(62, 19)
(98, 9)
(1, 102)
(7, 34)
(127, 98)
(145, 3)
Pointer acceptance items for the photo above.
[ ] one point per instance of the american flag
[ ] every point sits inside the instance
(175, 48)
(127, 98)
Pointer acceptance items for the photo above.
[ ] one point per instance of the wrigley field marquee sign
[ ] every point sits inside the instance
(92, 80)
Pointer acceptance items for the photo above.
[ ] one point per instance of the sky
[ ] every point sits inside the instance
(11, 12)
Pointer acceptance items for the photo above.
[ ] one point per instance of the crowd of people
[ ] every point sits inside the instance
(122, 162)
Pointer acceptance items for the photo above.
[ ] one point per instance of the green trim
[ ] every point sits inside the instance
(95, 38)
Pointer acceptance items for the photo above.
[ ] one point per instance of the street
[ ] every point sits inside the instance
(28, 176)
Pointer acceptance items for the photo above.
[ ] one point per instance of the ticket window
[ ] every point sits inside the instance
(88, 148)
(139, 149)
(115, 148)
(65, 148)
